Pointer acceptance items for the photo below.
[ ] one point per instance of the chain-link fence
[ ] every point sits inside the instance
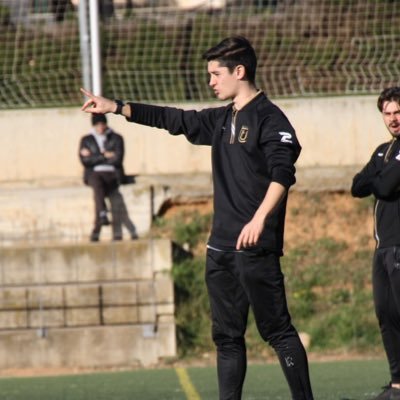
(151, 50)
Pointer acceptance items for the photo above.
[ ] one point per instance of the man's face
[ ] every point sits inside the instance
(391, 117)
(100, 128)
(222, 81)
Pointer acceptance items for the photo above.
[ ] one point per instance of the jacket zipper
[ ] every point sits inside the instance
(376, 224)
(385, 160)
(233, 126)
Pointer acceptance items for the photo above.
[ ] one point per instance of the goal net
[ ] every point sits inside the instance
(39, 55)
(151, 49)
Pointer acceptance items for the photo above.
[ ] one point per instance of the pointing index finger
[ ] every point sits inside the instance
(87, 93)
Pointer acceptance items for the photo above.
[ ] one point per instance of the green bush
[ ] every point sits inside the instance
(329, 295)
(192, 232)
(193, 324)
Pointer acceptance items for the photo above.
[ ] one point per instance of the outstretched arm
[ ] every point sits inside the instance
(251, 232)
(102, 105)
(197, 126)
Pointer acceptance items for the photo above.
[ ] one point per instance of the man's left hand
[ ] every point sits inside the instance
(250, 233)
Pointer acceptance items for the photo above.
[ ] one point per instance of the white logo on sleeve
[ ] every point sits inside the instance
(286, 137)
(398, 157)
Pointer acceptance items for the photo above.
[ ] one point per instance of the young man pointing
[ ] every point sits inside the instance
(254, 148)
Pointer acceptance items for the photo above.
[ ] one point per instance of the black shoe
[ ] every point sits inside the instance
(94, 236)
(103, 218)
(134, 236)
(389, 393)
(117, 238)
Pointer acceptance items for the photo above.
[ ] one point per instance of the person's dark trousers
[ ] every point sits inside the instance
(102, 183)
(236, 281)
(120, 216)
(386, 289)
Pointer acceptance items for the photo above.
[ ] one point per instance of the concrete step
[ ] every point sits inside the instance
(63, 210)
(66, 213)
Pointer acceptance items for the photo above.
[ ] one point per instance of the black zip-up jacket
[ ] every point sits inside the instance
(381, 178)
(262, 149)
(114, 142)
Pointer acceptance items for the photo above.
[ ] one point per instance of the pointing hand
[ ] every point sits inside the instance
(97, 104)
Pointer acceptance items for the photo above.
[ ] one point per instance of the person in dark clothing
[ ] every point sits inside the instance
(59, 8)
(254, 148)
(381, 178)
(106, 9)
(101, 153)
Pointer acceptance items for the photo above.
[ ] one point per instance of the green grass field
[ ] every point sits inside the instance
(331, 380)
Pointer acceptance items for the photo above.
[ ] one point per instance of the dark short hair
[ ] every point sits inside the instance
(389, 94)
(97, 118)
(234, 51)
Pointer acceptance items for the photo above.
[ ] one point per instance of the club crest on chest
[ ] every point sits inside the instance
(243, 134)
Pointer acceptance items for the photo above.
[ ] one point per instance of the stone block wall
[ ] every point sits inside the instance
(88, 305)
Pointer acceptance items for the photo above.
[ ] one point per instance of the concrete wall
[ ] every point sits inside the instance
(40, 144)
(55, 212)
(33, 213)
(86, 306)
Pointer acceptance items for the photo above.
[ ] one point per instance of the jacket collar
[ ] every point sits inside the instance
(253, 99)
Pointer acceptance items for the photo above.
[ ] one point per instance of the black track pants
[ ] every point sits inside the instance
(386, 288)
(103, 184)
(235, 281)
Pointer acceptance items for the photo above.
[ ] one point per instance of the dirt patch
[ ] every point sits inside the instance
(203, 206)
(311, 216)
